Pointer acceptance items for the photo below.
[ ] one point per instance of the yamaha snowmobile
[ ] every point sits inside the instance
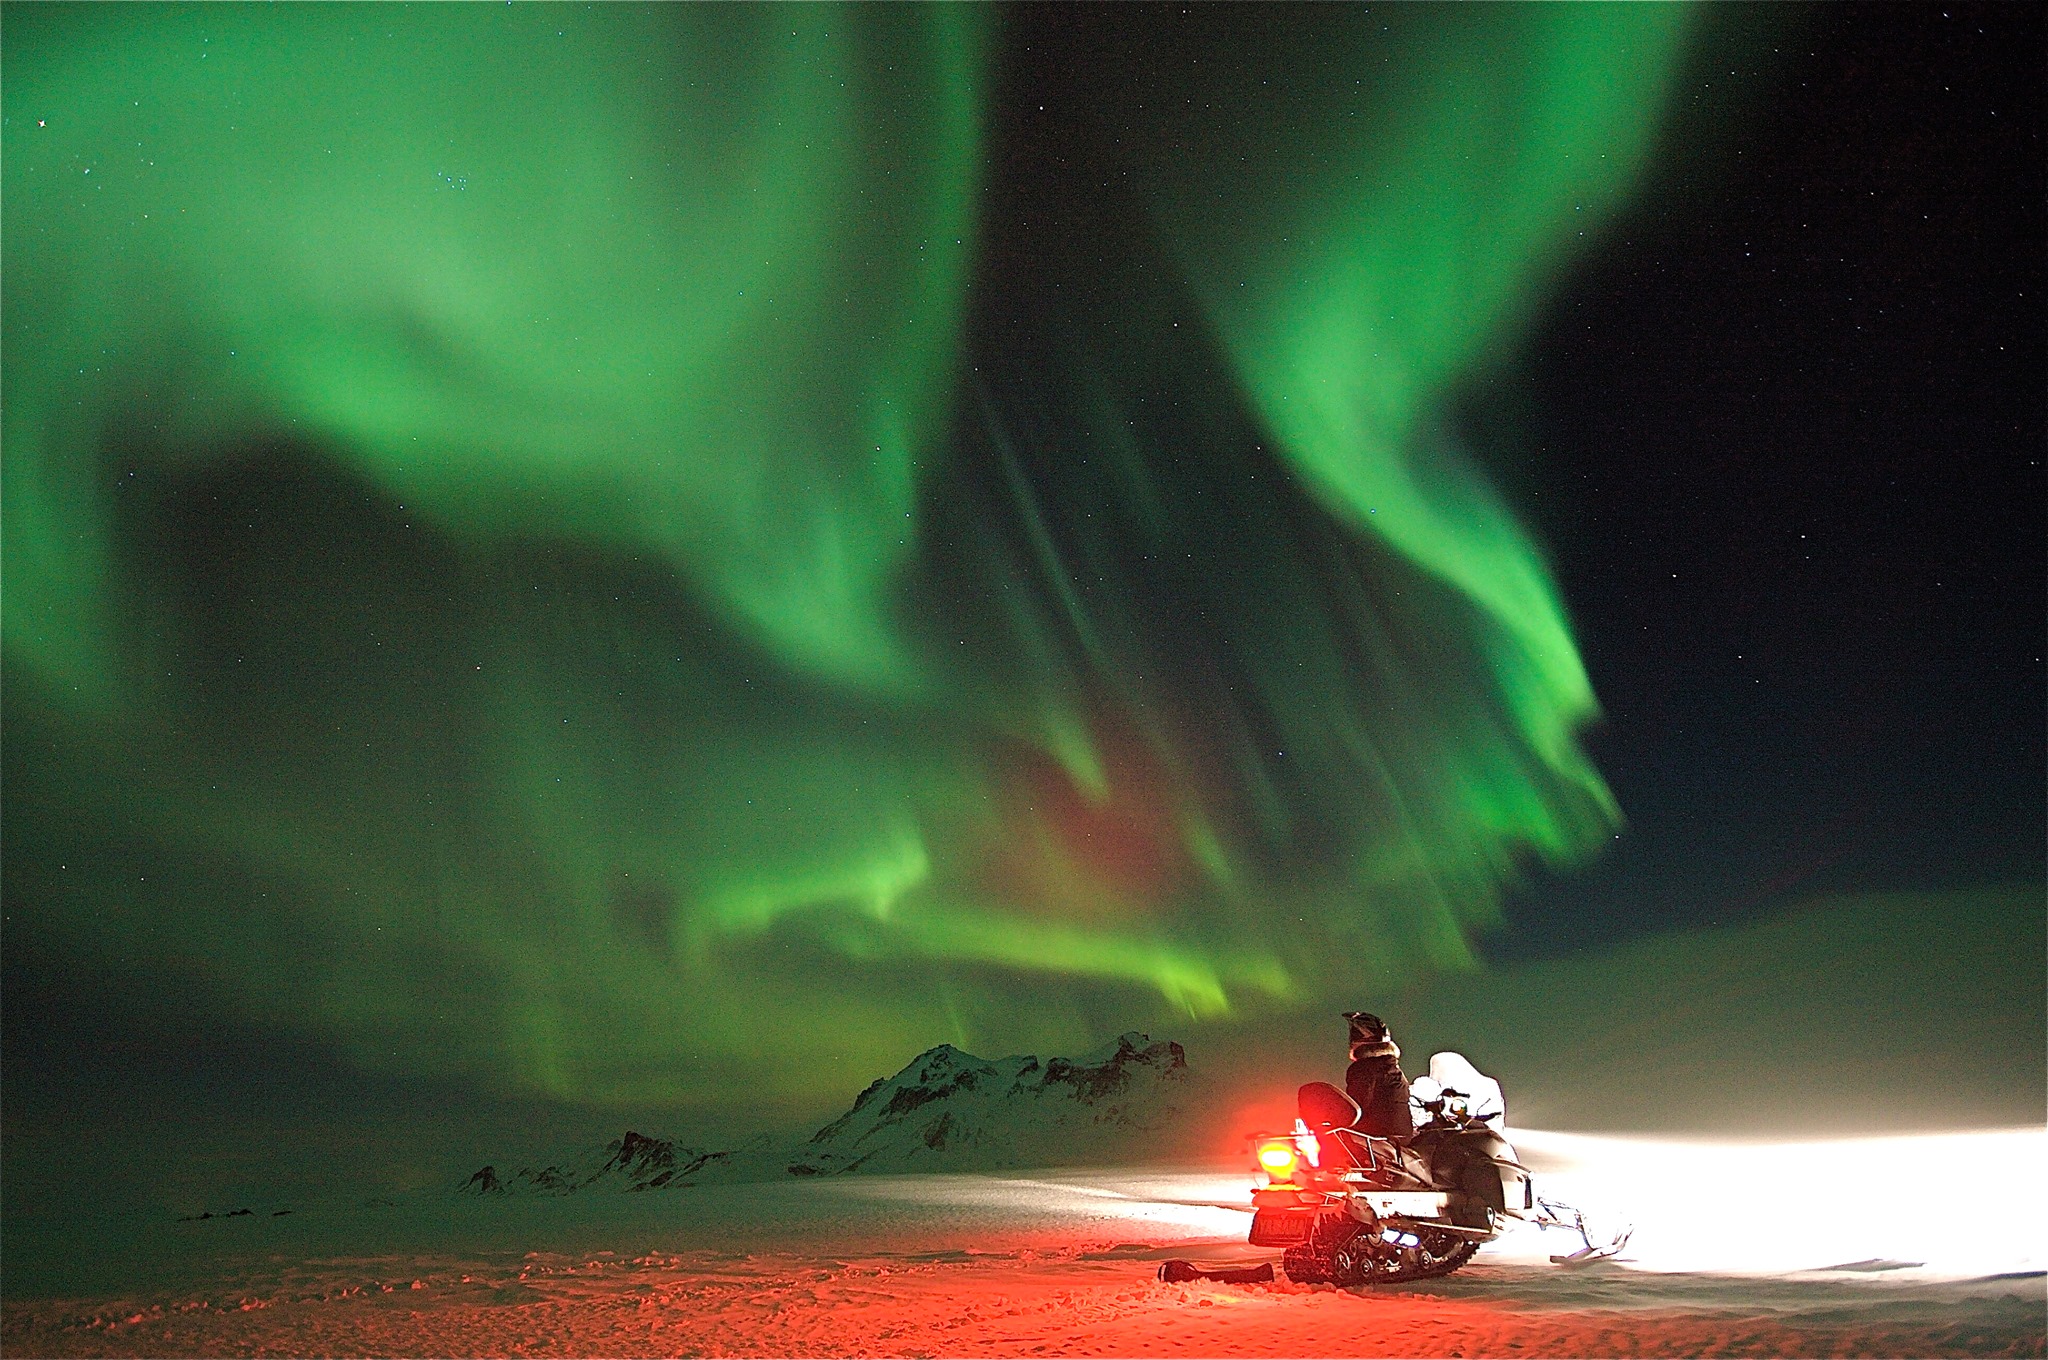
(1353, 1208)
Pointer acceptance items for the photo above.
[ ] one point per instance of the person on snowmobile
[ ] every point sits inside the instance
(1374, 1078)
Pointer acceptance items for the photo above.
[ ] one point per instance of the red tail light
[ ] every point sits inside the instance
(1278, 1159)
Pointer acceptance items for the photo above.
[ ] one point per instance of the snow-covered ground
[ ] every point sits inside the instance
(1921, 1245)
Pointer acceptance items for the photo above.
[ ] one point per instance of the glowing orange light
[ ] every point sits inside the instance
(1278, 1158)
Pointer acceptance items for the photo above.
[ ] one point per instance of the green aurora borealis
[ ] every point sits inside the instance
(509, 566)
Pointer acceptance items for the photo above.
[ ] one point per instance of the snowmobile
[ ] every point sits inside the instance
(1353, 1208)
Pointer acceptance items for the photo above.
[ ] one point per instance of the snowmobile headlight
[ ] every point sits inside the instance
(1278, 1158)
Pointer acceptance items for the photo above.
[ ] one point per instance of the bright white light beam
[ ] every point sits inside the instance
(1929, 1206)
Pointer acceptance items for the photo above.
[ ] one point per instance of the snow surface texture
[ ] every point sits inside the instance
(1750, 1239)
(946, 1111)
(1922, 1245)
(1741, 1249)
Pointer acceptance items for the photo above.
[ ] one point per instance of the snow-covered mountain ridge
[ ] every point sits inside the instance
(955, 1110)
(633, 1162)
(945, 1111)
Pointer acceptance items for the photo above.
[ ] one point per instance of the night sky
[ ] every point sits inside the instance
(1789, 468)
(673, 558)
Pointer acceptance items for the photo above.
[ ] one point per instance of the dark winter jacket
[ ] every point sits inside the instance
(1374, 1080)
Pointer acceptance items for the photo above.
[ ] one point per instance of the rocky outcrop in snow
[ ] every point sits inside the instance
(634, 1162)
(946, 1111)
(949, 1110)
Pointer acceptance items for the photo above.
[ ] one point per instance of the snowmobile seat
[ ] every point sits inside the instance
(1332, 1116)
(1324, 1107)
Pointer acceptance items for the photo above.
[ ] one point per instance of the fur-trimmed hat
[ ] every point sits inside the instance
(1369, 1036)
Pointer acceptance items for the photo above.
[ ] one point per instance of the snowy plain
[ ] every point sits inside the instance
(1756, 1232)
(1878, 1246)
